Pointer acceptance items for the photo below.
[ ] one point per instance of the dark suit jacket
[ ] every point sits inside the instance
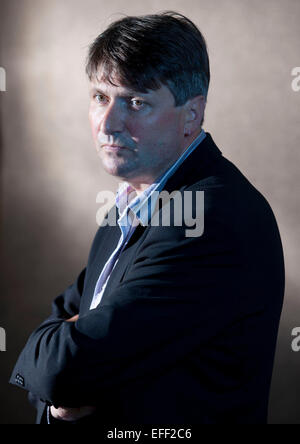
(187, 328)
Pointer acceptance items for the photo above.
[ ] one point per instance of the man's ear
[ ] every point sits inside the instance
(194, 113)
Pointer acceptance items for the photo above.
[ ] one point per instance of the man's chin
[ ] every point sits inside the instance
(117, 169)
(113, 164)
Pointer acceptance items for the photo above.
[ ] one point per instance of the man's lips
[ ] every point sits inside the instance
(114, 147)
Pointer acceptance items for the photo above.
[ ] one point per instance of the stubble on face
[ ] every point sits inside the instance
(122, 164)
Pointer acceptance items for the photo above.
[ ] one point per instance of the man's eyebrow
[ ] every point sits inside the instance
(129, 93)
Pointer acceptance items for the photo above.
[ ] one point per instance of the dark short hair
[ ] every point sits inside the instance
(146, 51)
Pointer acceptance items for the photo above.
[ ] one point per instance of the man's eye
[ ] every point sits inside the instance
(137, 103)
(100, 98)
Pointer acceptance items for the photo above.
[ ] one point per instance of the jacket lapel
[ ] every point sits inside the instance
(104, 246)
(125, 260)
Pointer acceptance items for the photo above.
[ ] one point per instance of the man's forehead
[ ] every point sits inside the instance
(110, 81)
(111, 85)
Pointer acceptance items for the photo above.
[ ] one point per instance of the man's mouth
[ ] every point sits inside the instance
(114, 148)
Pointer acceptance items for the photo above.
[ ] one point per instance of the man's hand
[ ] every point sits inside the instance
(73, 319)
(71, 414)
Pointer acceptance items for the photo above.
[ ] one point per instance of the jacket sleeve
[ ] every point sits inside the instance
(179, 293)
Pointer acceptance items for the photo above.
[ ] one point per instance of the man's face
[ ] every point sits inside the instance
(138, 136)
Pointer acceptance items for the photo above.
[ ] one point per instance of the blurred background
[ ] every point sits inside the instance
(50, 174)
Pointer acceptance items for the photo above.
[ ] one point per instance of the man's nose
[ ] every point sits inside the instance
(112, 120)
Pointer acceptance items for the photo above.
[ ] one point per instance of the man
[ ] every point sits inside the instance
(163, 326)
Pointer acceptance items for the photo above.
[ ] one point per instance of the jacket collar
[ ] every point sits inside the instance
(196, 166)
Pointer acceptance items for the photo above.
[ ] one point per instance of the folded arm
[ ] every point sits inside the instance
(170, 302)
(179, 293)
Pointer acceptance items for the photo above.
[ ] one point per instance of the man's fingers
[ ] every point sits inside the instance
(71, 414)
(73, 319)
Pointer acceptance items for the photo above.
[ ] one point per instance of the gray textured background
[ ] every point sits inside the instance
(50, 174)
